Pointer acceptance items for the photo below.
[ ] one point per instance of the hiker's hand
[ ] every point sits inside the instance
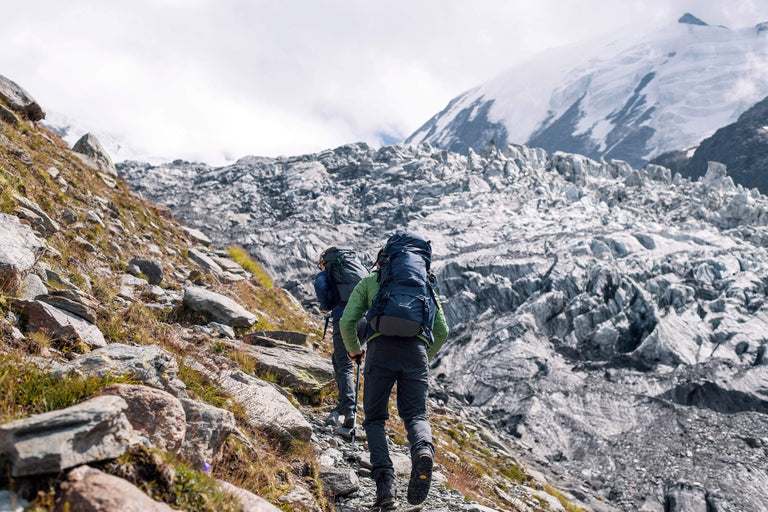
(356, 357)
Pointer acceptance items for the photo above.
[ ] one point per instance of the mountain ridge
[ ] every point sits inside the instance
(630, 99)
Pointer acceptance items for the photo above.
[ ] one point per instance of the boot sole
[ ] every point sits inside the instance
(421, 479)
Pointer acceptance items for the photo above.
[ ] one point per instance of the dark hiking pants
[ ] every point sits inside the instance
(391, 360)
(343, 369)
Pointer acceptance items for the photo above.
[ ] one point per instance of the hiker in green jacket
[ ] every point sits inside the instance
(390, 360)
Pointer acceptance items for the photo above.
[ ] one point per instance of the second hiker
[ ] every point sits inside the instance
(406, 328)
(340, 271)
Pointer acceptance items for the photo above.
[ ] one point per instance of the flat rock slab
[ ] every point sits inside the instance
(206, 262)
(94, 430)
(296, 338)
(90, 490)
(76, 302)
(297, 367)
(149, 364)
(20, 248)
(223, 309)
(45, 224)
(197, 235)
(60, 324)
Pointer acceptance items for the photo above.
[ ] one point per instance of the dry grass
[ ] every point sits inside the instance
(25, 389)
(165, 478)
(271, 466)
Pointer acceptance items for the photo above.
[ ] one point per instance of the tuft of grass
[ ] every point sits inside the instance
(25, 389)
(244, 259)
(164, 477)
(277, 310)
(463, 478)
(135, 324)
(202, 388)
(39, 341)
(246, 363)
(570, 507)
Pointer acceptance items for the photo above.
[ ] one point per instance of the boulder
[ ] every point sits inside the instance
(207, 429)
(339, 481)
(265, 406)
(60, 325)
(147, 364)
(249, 501)
(20, 248)
(90, 146)
(94, 430)
(149, 268)
(196, 235)
(299, 498)
(223, 309)
(20, 100)
(89, 490)
(400, 461)
(153, 413)
(40, 220)
(683, 497)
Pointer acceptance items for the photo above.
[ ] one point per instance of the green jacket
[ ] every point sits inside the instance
(359, 302)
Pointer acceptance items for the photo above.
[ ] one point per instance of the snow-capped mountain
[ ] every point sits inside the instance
(623, 98)
(609, 322)
(741, 146)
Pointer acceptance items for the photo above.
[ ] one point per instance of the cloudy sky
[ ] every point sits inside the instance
(214, 80)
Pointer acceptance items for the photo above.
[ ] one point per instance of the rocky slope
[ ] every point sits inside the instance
(608, 320)
(742, 146)
(143, 369)
(626, 97)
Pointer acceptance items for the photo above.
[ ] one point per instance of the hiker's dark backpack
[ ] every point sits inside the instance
(405, 305)
(345, 270)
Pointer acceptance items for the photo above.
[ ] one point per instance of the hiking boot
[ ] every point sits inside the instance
(349, 421)
(386, 494)
(421, 476)
(333, 418)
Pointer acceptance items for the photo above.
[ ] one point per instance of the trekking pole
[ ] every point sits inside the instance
(354, 412)
(327, 319)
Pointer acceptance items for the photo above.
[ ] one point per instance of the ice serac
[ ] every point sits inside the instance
(616, 97)
(609, 319)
